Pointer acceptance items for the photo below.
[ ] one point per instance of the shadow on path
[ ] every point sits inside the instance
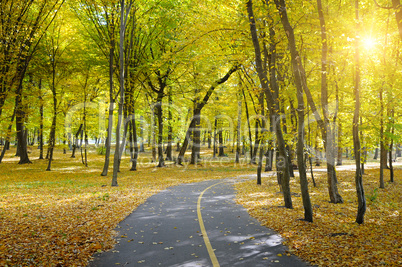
(165, 231)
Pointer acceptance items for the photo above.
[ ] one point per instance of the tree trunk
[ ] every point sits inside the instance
(340, 149)
(209, 139)
(298, 72)
(52, 141)
(376, 150)
(284, 168)
(239, 110)
(328, 134)
(257, 140)
(195, 149)
(108, 142)
(142, 149)
(221, 147)
(20, 118)
(308, 211)
(41, 113)
(248, 124)
(356, 140)
(169, 155)
(161, 161)
(391, 167)
(75, 145)
(215, 126)
(123, 22)
(383, 153)
(7, 141)
(133, 142)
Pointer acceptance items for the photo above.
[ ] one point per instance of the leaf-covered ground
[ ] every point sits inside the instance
(334, 239)
(62, 217)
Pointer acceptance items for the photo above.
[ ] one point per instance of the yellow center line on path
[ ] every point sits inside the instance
(211, 252)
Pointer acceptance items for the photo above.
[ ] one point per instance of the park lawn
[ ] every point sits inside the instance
(333, 239)
(62, 217)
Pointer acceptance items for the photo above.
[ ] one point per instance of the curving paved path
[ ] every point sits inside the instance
(195, 224)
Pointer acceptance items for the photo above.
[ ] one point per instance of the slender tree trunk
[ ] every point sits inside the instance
(41, 113)
(340, 149)
(195, 149)
(133, 137)
(142, 149)
(220, 140)
(183, 148)
(75, 145)
(356, 140)
(298, 72)
(108, 142)
(284, 167)
(257, 140)
(161, 161)
(170, 130)
(308, 211)
(8, 136)
(116, 160)
(391, 167)
(153, 138)
(239, 111)
(248, 124)
(215, 126)
(209, 139)
(328, 133)
(383, 153)
(52, 141)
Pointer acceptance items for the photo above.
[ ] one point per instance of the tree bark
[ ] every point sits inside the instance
(328, 133)
(108, 142)
(239, 111)
(169, 155)
(284, 168)
(7, 141)
(391, 167)
(195, 149)
(161, 161)
(298, 73)
(123, 22)
(356, 140)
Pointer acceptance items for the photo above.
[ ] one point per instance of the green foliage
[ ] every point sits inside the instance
(373, 196)
(101, 150)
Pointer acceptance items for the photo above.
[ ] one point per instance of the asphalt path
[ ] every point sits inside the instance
(195, 224)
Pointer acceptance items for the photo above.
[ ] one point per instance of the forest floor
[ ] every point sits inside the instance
(333, 239)
(62, 217)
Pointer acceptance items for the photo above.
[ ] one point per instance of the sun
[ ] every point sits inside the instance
(368, 43)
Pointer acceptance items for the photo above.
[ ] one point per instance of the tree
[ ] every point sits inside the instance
(124, 13)
(284, 166)
(199, 106)
(356, 139)
(299, 75)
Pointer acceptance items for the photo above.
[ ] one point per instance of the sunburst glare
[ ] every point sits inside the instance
(368, 43)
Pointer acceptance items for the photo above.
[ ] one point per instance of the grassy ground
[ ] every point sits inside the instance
(60, 218)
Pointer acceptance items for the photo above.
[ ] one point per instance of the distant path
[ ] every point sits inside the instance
(168, 230)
